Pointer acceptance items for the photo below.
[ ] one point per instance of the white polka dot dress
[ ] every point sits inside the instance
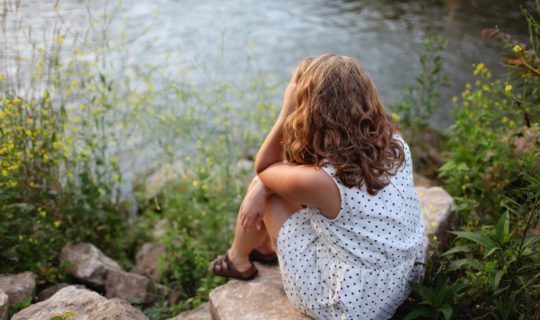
(358, 265)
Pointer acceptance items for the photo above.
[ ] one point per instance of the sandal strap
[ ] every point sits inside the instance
(227, 269)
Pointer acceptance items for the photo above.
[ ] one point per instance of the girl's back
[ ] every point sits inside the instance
(359, 263)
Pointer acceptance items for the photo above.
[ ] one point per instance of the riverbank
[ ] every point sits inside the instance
(61, 174)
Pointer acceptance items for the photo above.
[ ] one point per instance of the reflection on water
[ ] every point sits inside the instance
(274, 35)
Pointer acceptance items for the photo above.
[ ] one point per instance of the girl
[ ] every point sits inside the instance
(334, 196)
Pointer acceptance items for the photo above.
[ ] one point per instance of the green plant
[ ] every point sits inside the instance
(64, 316)
(438, 301)
(60, 174)
(415, 108)
(492, 171)
(19, 305)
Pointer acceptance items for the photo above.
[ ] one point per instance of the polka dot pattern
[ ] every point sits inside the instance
(358, 265)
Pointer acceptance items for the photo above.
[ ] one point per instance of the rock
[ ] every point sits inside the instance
(87, 263)
(421, 181)
(83, 304)
(159, 229)
(4, 305)
(438, 218)
(18, 286)
(131, 287)
(147, 260)
(202, 312)
(262, 298)
(526, 141)
(150, 185)
(51, 290)
(115, 309)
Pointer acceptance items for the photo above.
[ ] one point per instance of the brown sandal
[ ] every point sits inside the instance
(228, 269)
(266, 258)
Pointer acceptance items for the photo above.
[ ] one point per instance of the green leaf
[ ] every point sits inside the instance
(497, 279)
(530, 240)
(477, 237)
(503, 226)
(490, 251)
(425, 292)
(458, 264)
(446, 310)
(457, 249)
(419, 313)
(57, 318)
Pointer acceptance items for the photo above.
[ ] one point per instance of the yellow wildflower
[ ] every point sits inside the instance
(508, 88)
(395, 116)
(479, 68)
(57, 223)
(517, 49)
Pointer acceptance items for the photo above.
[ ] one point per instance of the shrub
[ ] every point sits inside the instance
(493, 173)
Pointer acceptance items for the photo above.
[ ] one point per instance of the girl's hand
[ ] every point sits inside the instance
(252, 207)
(289, 100)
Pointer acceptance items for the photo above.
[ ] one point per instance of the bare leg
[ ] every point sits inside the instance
(276, 211)
(244, 242)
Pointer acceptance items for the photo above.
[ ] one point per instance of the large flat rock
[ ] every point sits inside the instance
(262, 298)
(202, 312)
(82, 304)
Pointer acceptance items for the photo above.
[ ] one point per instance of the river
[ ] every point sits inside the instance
(228, 40)
(268, 36)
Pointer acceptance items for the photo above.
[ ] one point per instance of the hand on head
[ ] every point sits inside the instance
(289, 100)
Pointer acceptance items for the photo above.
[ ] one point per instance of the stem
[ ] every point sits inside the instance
(520, 248)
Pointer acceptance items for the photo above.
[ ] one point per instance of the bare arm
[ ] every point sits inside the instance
(308, 185)
(304, 184)
(271, 150)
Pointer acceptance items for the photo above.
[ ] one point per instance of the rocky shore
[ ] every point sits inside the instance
(103, 290)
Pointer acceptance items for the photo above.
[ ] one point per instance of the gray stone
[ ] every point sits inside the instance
(131, 287)
(147, 260)
(262, 298)
(202, 312)
(82, 304)
(87, 263)
(150, 185)
(4, 305)
(51, 290)
(437, 207)
(18, 286)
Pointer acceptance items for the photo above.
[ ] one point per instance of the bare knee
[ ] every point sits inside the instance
(276, 211)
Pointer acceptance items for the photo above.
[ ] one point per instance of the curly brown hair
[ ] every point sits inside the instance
(340, 120)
